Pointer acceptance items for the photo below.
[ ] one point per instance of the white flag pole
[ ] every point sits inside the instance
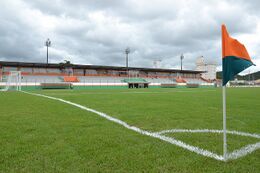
(224, 99)
(224, 124)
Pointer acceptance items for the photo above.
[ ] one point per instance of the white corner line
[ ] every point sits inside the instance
(233, 132)
(230, 156)
(243, 151)
(157, 135)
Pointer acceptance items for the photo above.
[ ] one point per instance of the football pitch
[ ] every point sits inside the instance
(129, 130)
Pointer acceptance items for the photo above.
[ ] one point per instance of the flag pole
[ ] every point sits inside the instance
(231, 48)
(223, 29)
(224, 123)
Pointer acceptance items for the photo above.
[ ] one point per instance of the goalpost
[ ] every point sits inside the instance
(13, 81)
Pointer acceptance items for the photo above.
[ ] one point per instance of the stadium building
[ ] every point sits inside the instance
(210, 68)
(66, 75)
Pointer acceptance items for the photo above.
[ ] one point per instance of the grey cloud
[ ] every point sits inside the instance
(98, 31)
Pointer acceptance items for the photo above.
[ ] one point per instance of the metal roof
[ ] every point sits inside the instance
(80, 66)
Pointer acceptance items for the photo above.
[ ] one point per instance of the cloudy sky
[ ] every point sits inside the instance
(98, 31)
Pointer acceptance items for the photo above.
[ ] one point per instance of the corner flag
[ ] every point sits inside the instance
(234, 57)
(234, 60)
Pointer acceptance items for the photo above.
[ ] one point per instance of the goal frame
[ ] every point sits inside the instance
(14, 79)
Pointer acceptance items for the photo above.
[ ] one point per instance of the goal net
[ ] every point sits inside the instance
(13, 81)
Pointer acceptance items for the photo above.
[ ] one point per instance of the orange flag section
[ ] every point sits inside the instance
(232, 47)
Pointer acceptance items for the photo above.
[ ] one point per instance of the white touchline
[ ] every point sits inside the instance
(158, 135)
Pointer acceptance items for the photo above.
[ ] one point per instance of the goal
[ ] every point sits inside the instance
(13, 81)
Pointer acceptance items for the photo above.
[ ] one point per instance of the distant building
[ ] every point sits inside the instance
(157, 63)
(209, 67)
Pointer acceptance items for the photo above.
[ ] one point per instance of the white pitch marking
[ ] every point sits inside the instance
(243, 151)
(234, 155)
(231, 156)
(131, 92)
(254, 135)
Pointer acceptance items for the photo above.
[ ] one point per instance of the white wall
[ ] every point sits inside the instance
(211, 69)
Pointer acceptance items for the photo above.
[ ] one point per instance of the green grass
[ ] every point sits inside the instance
(42, 135)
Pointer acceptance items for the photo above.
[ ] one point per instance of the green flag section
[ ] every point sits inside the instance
(235, 57)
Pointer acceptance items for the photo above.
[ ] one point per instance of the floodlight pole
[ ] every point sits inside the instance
(127, 51)
(47, 55)
(48, 44)
(181, 57)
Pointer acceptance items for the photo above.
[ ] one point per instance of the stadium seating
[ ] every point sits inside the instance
(194, 81)
(141, 80)
(180, 80)
(42, 79)
(100, 79)
(160, 80)
(107, 80)
(70, 79)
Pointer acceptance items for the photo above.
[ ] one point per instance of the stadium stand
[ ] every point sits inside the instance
(160, 80)
(102, 79)
(39, 74)
(41, 79)
(194, 80)
(180, 80)
(70, 79)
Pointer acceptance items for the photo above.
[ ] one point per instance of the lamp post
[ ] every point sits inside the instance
(127, 51)
(48, 44)
(181, 57)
